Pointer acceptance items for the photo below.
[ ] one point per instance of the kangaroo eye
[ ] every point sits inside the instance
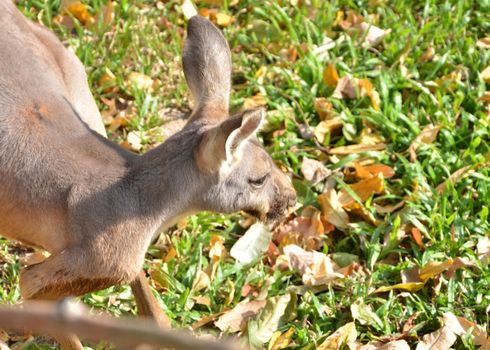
(258, 183)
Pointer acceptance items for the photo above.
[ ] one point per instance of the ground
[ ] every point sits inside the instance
(390, 99)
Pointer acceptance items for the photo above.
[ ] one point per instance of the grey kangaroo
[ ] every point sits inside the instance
(95, 207)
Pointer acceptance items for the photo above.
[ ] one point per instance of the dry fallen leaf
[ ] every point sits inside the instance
(313, 170)
(140, 81)
(315, 268)
(427, 136)
(252, 244)
(332, 210)
(460, 326)
(235, 320)
(305, 231)
(433, 269)
(346, 334)
(441, 339)
(201, 281)
(327, 127)
(483, 43)
(217, 250)
(377, 345)
(330, 76)
(254, 101)
(364, 189)
(270, 318)
(364, 172)
(78, 10)
(455, 177)
(483, 250)
(485, 74)
(372, 34)
(280, 340)
(324, 108)
(107, 80)
(409, 287)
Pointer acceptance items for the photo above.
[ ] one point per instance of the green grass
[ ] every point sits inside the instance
(147, 38)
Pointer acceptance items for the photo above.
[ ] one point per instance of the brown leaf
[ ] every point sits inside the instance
(315, 268)
(364, 189)
(235, 319)
(417, 237)
(108, 80)
(346, 334)
(460, 326)
(393, 345)
(455, 177)
(332, 210)
(351, 149)
(313, 170)
(372, 34)
(306, 231)
(441, 339)
(351, 88)
(107, 13)
(330, 76)
(427, 136)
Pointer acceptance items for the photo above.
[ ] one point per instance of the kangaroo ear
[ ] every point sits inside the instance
(207, 69)
(221, 145)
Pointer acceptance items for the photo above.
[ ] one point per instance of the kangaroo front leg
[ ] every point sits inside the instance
(148, 305)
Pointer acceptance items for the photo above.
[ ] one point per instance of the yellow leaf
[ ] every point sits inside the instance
(223, 20)
(80, 12)
(409, 287)
(107, 80)
(433, 269)
(351, 149)
(485, 74)
(332, 210)
(364, 189)
(281, 340)
(330, 76)
(366, 88)
(172, 253)
(344, 335)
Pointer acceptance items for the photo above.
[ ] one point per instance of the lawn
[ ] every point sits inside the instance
(391, 101)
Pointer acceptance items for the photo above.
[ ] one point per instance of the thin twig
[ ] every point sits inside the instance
(67, 317)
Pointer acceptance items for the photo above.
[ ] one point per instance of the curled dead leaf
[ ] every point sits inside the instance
(455, 177)
(327, 126)
(443, 338)
(324, 108)
(364, 189)
(315, 268)
(427, 136)
(235, 320)
(351, 149)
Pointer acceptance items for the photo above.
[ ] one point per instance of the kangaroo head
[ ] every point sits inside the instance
(237, 171)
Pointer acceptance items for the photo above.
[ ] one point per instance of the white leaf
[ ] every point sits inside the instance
(252, 244)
